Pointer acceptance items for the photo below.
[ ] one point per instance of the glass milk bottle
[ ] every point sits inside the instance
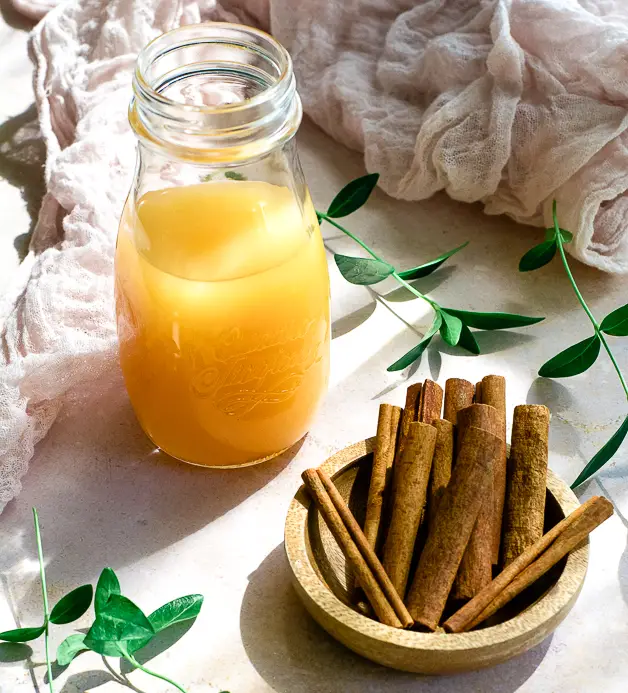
(222, 291)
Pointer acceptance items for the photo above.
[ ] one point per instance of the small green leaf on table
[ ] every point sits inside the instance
(107, 585)
(69, 648)
(120, 627)
(573, 360)
(363, 271)
(72, 606)
(538, 256)
(566, 236)
(352, 196)
(22, 634)
(417, 351)
(181, 609)
(603, 455)
(450, 328)
(234, 175)
(493, 321)
(616, 323)
(467, 340)
(427, 268)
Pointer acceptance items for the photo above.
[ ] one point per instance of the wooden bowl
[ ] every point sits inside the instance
(320, 578)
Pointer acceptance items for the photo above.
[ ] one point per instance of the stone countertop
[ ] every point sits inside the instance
(106, 497)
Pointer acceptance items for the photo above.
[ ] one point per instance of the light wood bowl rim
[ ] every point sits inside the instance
(556, 601)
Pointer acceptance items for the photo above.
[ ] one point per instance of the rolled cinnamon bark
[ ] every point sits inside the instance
(524, 512)
(597, 510)
(411, 477)
(366, 550)
(492, 391)
(442, 463)
(458, 395)
(476, 567)
(455, 517)
(411, 408)
(382, 607)
(381, 475)
(431, 402)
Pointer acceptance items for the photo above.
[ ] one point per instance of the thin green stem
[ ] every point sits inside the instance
(373, 254)
(361, 243)
(585, 307)
(44, 592)
(130, 658)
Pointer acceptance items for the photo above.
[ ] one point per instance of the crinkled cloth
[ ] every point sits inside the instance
(510, 102)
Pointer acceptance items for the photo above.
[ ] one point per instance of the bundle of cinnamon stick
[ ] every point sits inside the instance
(445, 497)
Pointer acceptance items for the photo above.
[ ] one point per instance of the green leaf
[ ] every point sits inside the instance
(492, 321)
(450, 328)
(360, 270)
(69, 648)
(538, 256)
(108, 584)
(72, 606)
(429, 267)
(616, 323)
(181, 609)
(467, 341)
(22, 634)
(416, 352)
(120, 623)
(603, 455)
(566, 236)
(352, 196)
(573, 360)
(234, 175)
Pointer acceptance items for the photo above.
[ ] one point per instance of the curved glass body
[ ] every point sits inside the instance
(222, 291)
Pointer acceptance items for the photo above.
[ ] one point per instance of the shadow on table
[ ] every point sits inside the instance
(105, 496)
(22, 157)
(291, 653)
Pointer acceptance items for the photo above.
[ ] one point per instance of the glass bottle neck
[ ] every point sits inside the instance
(214, 93)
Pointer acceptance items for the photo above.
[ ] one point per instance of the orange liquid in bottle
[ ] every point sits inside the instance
(222, 297)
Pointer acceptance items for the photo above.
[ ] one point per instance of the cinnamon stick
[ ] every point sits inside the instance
(527, 471)
(411, 477)
(466, 617)
(382, 607)
(458, 395)
(492, 391)
(455, 517)
(441, 466)
(431, 402)
(365, 549)
(411, 408)
(381, 475)
(476, 567)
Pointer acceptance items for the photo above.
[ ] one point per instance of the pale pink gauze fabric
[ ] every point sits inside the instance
(507, 102)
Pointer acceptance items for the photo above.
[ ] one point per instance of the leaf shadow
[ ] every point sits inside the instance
(425, 285)
(86, 681)
(346, 323)
(14, 652)
(160, 643)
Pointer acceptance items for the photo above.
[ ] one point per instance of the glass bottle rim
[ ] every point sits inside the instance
(258, 122)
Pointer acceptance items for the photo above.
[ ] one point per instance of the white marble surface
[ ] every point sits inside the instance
(106, 498)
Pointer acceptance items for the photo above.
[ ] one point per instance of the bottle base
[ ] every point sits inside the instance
(250, 463)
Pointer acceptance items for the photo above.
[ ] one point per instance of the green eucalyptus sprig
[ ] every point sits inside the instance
(580, 357)
(120, 627)
(453, 324)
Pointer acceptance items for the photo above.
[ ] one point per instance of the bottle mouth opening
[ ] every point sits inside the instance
(217, 83)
